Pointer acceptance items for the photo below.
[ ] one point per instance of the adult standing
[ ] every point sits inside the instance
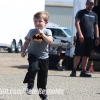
(86, 22)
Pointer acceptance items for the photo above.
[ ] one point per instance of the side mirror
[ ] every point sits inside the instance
(64, 35)
(54, 37)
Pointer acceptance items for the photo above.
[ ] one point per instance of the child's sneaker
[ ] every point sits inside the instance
(29, 91)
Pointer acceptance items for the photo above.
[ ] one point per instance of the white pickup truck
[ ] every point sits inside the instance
(16, 18)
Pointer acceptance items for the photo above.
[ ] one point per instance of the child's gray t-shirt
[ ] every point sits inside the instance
(38, 46)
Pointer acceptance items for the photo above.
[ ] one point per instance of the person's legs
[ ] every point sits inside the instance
(30, 84)
(88, 48)
(30, 75)
(42, 78)
(31, 81)
(79, 51)
(75, 64)
(84, 65)
(76, 61)
(84, 62)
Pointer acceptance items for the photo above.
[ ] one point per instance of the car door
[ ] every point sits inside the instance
(57, 34)
(54, 34)
(61, 36)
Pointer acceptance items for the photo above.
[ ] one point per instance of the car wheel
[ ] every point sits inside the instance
(12, 48)
(64, 62)
(19, 48)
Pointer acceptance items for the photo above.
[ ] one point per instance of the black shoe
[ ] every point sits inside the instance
(43, 96)
(73, 73)
(29, 91)
(84, 74)
(45, 99)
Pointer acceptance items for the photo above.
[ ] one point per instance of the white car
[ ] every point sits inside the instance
(61, 33)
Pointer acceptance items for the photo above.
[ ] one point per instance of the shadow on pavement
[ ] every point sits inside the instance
(59, 75)
(98, 93)
(20, 67)
(73, 77)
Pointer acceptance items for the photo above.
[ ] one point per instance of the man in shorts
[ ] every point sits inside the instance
(86, 22)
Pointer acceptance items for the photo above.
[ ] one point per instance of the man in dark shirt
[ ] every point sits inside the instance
(86, 22)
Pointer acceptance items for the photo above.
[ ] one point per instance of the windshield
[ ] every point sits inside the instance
(68, 32)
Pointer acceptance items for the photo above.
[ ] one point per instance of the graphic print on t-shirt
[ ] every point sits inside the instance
(37, 38)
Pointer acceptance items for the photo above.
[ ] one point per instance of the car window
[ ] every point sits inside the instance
(51, 31)
(68, 32)
(54, 31)
(57, 32)
(60, 32)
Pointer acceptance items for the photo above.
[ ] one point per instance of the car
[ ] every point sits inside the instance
(60, 33)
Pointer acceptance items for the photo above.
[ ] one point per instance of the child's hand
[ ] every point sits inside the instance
(40, 32)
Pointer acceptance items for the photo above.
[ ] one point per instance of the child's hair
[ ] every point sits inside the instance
(42, 14)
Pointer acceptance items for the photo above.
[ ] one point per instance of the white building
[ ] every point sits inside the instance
(60, 13)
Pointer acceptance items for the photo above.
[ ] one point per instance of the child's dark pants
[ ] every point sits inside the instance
(39, 66)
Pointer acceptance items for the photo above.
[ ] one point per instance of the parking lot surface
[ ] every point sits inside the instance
(60, 85)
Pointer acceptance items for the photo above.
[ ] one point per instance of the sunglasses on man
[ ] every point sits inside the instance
(89, 3)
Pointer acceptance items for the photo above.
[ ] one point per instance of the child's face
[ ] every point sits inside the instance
(39, 23)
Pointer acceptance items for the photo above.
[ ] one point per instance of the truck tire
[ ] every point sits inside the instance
(19, 48)
(64, 62)
(12, 48)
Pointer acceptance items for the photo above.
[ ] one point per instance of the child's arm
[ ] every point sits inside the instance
(26, 43)
(48, 38)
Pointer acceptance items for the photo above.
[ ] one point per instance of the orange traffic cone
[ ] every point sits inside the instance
(91, 69)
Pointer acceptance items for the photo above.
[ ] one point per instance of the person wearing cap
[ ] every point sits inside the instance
(86, 22)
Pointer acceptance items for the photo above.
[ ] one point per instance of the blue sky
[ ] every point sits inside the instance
(61, 0)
